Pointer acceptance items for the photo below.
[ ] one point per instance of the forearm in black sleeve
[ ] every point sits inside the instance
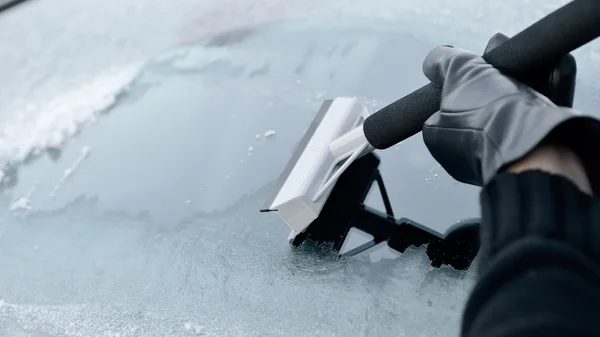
(539, 261)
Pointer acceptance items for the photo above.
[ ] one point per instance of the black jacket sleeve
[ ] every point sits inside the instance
(539, 271)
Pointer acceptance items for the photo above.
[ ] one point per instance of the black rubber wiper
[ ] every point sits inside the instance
(7, 4)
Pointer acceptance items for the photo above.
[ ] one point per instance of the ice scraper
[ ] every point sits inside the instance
(321, 193)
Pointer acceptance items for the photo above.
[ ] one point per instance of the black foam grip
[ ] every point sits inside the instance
(538, 46)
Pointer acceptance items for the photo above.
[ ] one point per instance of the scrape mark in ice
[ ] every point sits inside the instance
(24, 201)
(270, 133)
(85, 151)
(257, 136)
(38, 127)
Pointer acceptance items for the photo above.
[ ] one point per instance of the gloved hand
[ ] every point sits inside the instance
(488, 120)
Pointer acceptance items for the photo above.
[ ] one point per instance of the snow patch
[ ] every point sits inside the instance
(270, 133)
(21, 204)
(38, 127)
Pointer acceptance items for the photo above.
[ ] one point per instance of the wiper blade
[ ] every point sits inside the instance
(7, 4)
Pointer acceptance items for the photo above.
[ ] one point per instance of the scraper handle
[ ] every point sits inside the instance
(537, 47)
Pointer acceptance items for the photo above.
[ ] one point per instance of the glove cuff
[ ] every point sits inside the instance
(537, 205)
(582, 135)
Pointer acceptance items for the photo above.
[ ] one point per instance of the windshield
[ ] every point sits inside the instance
(139, 141)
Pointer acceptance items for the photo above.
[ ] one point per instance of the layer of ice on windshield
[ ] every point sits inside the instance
(120, 275)
(220, 274)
